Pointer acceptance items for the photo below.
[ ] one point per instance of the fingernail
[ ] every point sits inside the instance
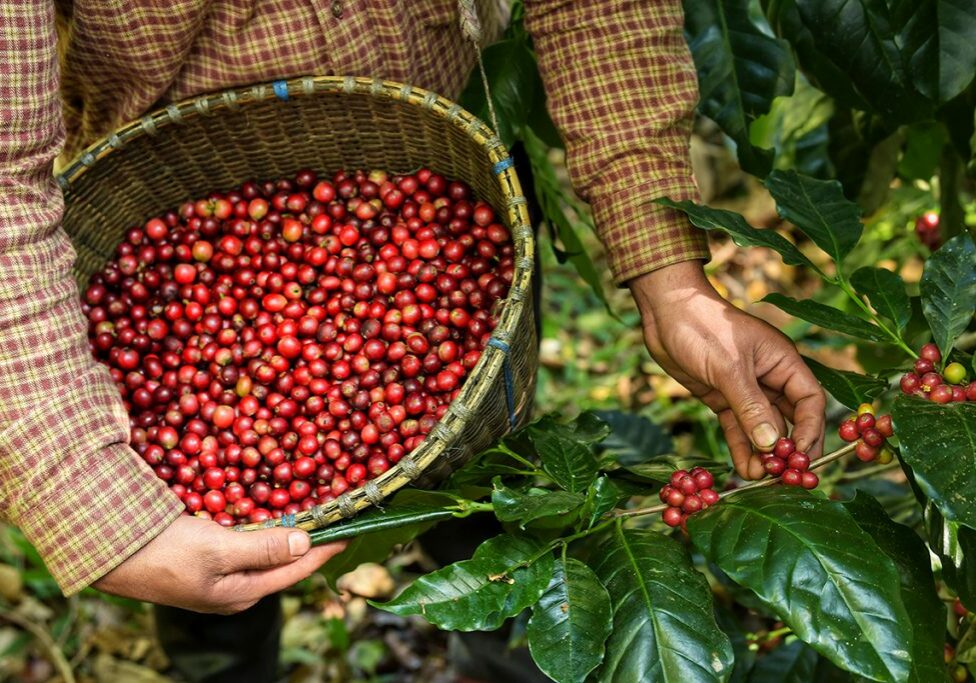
(298, 544)
(764, 436)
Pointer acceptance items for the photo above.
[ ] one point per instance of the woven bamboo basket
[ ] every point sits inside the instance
(324, 123)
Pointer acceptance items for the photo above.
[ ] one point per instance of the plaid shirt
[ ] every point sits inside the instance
(621, 88)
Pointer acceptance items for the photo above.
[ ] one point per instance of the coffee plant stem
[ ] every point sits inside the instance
(563, 542)
(767, 481)
(894, 336)
(467, 507)
(765, 637)
(521, 460)
(871, 471)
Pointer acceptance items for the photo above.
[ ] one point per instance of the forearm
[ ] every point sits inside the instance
(67, 477)
(622, 90)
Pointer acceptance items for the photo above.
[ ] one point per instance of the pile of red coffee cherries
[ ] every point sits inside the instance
(949, 386)
(791, 465)
(687, 493)
(870, 433)
(284, 341)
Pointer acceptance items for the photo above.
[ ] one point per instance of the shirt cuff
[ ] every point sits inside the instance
(81, 495)
(86, 523)
(641, 236)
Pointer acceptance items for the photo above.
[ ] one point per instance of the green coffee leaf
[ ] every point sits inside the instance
(663, 625)
(854, 53)
(408, 509)
(939, 443)
(741, 69)
(828, 317)
(632, 438)
(506, 575)
(568, 460)
(849, 388)
(796, 128)
(911, 558)
(817, 571)
(741, 232)
(592, 426)
(515, 506)
(819, 209)
(948, 289)
(601, 497)
(886, 292)
(953, 543)
(935, 39)
(374, 534)
(570, 623)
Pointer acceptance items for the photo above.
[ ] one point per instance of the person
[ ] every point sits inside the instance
(621, 88)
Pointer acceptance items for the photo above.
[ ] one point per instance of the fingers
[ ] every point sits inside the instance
(757, 418)
(246, 587)
(263, 549)
(747, 464)
(802, 399)
(269, 580)
(804, 392)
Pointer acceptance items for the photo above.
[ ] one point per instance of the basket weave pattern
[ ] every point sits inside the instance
(324, 123)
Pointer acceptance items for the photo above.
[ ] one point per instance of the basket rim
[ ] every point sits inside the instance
(494, 356)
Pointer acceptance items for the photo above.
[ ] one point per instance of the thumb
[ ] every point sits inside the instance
(753, 412)
(265, 548)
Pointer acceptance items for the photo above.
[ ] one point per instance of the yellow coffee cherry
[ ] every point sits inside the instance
(954, 373)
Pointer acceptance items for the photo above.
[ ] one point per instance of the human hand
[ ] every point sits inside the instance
(198, 565)
(745, 370)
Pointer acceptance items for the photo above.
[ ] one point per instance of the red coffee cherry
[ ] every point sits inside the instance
(849, 431)
(884, 426)
(798, 461)
(931, 352)
(809, 480)
(864, 452)
(784, 447)
(672, 516)
(792, 477)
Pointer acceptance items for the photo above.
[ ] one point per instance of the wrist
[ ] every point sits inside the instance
(669, 287)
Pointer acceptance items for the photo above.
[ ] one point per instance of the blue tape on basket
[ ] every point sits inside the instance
(281, 90)
(288, 520)
(507, 373)
(502, 165)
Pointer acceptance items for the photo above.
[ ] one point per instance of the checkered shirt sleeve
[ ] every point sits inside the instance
(68, 478)
(622, 90)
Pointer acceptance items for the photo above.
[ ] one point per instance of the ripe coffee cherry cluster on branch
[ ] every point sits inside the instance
(870, 434)
(280, 343)
(949, 386)
(790, 465)
(687, 493)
